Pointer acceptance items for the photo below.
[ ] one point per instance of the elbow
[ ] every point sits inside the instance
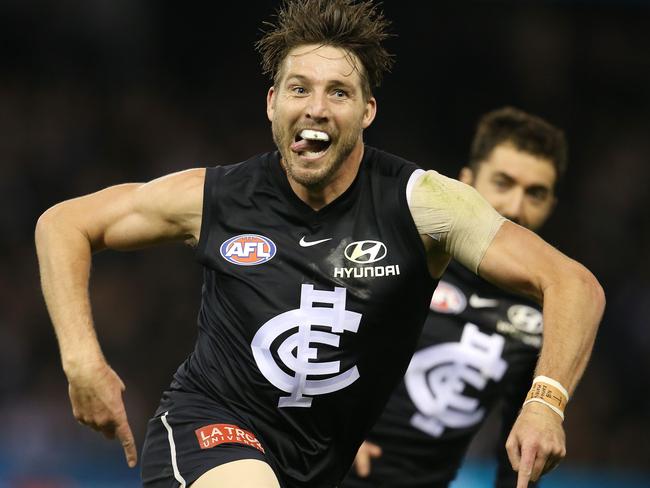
(54, 223)
(591, 288)
(598, 294)
(44, 225)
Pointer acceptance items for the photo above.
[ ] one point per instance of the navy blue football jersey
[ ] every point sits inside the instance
(308, 318)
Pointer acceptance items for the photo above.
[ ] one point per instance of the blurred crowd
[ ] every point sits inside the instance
(106, 91)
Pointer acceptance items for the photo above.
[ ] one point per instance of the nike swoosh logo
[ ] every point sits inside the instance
(304, 243)
(476, 301)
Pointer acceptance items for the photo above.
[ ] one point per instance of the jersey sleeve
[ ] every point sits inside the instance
(454, 214)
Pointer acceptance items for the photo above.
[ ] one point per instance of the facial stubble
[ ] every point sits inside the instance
(338, 152)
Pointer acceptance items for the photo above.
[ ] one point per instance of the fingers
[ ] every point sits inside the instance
(553, 461)
(125, 436)
(536, 443)
(362, 462)
(99, 405)
(514, 455)
(373, 449)
(525, 468)
(531, 459)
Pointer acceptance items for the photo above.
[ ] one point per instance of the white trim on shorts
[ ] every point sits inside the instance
(172, 449)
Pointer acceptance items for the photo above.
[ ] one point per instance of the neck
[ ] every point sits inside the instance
(318, 197)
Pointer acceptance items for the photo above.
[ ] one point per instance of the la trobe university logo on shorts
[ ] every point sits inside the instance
(296, 352)
(248, 250)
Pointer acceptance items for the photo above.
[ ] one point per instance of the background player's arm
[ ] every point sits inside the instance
(467, 228)
(121, 217)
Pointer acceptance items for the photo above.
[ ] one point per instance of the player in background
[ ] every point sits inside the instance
(479, 344)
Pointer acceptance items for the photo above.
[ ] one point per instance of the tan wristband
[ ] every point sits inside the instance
(550, 393)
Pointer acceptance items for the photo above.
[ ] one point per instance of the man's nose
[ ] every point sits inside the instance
(513, 207)
(317, 109)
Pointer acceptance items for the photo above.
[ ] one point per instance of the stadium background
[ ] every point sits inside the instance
(104, 91)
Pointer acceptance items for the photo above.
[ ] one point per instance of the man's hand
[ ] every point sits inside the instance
(96, 397)
(536, 443)
(366, 452)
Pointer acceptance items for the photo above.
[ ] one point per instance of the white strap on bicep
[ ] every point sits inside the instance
(455, 214)
(411, 183)
(409, 191)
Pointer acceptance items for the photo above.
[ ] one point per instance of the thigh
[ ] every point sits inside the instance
(246, 473)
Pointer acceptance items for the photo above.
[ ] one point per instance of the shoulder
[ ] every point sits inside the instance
(387, 164)
(433, 182)
(173, 185)
(246, 173)
(251, 165)
(430, 189)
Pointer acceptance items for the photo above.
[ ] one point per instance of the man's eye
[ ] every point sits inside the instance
(501, 184)
(298, 90)
(538, 195)
(340, 94)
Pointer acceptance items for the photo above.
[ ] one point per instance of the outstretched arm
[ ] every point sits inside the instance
(455, 220)
(121, 217)
(573, 304)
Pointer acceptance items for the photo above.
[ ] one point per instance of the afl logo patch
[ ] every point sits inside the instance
(448, 299)
(248, 249)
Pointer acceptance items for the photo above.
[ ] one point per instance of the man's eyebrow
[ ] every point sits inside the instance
(510, 179)
(296, 77)
(343, 83)
(330, 83)
(501, 174)
(538, 187)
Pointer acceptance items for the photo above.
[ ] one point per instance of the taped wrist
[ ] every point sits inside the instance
(549, 392)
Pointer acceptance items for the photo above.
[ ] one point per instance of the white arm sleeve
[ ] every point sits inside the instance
(454, 214)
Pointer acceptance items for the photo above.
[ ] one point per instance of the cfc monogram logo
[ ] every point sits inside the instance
(296, 351)
(437, 376)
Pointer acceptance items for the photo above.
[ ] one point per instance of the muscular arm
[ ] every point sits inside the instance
(121, 217)
(573, 304)
(572, 299)
(518, 260)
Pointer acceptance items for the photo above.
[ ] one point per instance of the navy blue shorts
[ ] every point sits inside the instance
(190, 435)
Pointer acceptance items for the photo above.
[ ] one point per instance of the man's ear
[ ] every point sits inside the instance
(270, 100)
(466, 175)
(369, 114)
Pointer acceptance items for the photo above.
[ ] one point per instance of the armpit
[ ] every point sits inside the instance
(454, 214)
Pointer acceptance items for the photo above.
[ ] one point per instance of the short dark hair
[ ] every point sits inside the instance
(357, 27)
(525, 132)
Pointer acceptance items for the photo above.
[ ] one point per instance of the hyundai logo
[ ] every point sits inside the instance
(365, 252)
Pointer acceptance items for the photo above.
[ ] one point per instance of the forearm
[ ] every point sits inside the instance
(64, 256)
(572, 299)
(573, 308)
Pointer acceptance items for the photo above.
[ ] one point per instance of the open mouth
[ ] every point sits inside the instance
(311, 143)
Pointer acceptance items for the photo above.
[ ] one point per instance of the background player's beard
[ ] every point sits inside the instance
(337, 153)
